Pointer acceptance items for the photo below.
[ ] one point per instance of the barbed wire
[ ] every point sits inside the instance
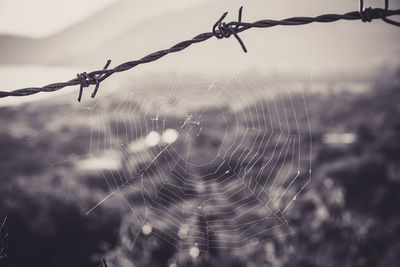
(220, 30)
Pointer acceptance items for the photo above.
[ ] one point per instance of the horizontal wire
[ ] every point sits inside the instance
(220, 30)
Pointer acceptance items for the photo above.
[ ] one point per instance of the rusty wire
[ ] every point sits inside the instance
(220, 30)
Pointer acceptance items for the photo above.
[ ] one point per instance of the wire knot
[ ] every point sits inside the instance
(225, 30)
(86, 80)
(367, 15)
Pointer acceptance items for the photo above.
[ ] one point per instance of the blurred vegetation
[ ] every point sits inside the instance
(349, 215)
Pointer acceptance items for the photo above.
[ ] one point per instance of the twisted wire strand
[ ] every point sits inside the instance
(220, 30)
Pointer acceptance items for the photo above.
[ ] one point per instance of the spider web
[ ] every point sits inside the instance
(202, 165)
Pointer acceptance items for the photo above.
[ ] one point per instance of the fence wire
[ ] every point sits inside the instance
(220, 30)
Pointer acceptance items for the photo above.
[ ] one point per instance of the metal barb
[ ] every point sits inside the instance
(368, 14)
(226, 30)
(85, 80)
(389, 21)
(97, 79)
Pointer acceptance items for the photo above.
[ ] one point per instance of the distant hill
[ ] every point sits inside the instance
(16, 49)
(67, 46)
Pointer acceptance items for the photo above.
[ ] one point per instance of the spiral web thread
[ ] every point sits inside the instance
(201, 165)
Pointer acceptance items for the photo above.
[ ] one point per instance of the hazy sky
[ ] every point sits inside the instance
(39, 18)
(42, 18)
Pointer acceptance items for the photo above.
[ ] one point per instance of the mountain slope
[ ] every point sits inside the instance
(86, 35)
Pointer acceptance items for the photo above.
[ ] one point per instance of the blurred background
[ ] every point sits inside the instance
(287, 155)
